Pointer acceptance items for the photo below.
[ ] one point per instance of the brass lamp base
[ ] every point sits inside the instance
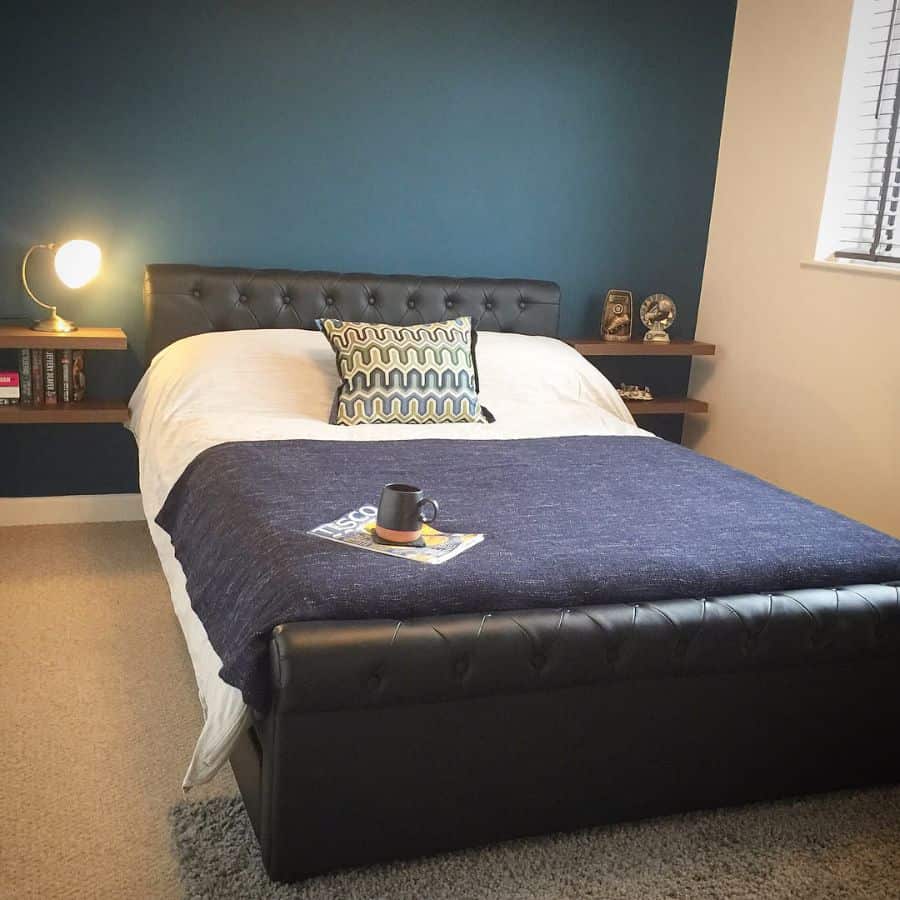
(55, 324)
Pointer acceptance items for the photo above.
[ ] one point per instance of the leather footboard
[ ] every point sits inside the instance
(389, 739)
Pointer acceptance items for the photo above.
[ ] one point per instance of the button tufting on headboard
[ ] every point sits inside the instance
(181, 300)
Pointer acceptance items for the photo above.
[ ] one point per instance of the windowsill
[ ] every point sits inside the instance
(870, 269)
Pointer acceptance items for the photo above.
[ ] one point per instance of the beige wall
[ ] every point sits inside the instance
(805, 387)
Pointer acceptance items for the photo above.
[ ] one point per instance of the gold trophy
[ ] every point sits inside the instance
(616, 322)
(658, 314)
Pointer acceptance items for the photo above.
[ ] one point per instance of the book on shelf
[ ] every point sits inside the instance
(37, 377)
(25, 395)
(65, 376)
(47, 376)
(50, 396)
(9, 388)
(79, 381)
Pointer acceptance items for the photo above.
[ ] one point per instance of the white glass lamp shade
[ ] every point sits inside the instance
(77, 263)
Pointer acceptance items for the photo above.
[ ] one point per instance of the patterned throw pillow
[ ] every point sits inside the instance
(409, 374)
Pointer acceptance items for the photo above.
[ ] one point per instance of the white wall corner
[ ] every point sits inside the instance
(70, 509)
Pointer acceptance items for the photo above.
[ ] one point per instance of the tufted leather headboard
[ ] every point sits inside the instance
(181, 300)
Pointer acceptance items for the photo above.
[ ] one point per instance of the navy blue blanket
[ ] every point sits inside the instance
(567, 521)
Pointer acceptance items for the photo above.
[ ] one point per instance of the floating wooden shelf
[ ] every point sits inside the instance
(65, 413)
(15, 337)
(677, 347)
(666, 406)
(21, 337)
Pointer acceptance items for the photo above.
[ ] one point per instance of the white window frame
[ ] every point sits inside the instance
(853, 171)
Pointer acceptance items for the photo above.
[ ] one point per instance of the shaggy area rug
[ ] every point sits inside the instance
(839, 845)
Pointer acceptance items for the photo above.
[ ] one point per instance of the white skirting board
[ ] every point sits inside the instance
(74, 508)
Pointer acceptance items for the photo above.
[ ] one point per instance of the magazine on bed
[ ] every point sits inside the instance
(357, 529)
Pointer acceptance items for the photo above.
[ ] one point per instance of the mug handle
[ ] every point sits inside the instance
(434, 504)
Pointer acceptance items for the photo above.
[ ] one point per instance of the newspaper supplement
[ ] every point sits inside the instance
(357, 529)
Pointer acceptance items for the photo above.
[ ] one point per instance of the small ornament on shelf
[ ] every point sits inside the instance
(615, 324)
(658, 314)
(634, 392)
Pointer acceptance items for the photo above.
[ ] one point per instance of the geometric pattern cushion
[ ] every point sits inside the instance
(404, 374)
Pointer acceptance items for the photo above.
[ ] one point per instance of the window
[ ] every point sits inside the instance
(861, 213)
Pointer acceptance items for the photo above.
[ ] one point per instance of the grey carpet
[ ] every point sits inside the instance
(843, 845)
(98, 715)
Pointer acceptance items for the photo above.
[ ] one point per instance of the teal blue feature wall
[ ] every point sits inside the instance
(574, 141)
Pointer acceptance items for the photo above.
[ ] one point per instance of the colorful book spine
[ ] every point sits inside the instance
(65, 376)
(50, 376)
(79, 381)
(9, 388)
(37, 377)
(26, 395)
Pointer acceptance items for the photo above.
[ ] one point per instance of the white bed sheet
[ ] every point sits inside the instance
(279, 385)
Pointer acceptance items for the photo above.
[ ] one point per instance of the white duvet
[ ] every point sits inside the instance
(279, 384)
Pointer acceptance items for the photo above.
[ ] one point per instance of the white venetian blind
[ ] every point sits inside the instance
(867, 217)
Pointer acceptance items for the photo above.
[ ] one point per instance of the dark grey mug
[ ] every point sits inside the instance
(401, 511)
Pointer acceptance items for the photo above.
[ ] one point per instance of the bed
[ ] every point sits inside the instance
(687, 637)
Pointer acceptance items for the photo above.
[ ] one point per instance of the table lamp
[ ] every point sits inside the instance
(76, 263)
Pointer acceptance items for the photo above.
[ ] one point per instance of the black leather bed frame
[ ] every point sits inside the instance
(383, 742)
